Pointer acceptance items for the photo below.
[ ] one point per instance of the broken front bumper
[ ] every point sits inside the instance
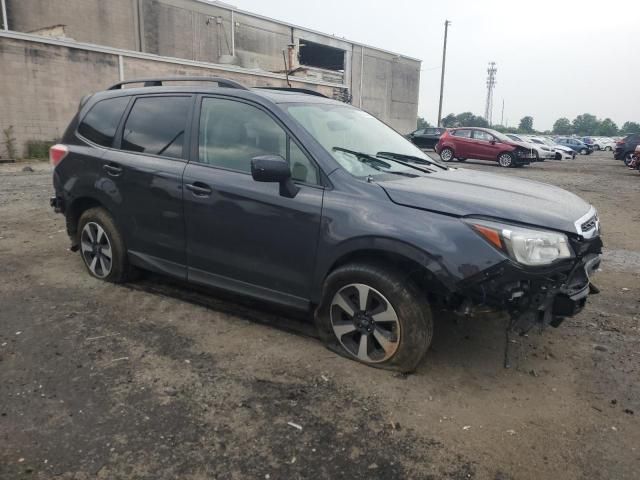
(538, 296)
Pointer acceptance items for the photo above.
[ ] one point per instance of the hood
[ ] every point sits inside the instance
(563, 148)
(462, 192)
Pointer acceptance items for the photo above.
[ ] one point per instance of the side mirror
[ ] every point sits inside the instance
(493, 142)
(274, 168)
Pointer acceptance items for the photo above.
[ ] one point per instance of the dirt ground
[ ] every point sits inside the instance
(153, 380)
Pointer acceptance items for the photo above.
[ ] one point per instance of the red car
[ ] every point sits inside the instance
(482, 144)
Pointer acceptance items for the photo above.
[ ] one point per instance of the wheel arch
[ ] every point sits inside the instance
(75, 210)
(420, 267)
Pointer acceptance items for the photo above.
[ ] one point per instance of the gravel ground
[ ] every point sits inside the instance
(154, 380)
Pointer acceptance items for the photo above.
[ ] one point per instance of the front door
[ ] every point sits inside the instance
(241, 234)
(483, 147)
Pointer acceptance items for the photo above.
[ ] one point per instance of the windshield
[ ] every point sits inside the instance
(343, 130)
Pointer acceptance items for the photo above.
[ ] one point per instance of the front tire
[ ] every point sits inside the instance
(102, 247)
(375, 315)
(506, 159)
(446, 154)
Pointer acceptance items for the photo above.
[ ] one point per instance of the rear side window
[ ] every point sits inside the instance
(156, 126)
(462, 133)
(100, 124)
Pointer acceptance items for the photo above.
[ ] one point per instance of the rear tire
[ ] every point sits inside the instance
(446, 154)
(374, 314)
(506, 160)
(583, 151)
(102, 247)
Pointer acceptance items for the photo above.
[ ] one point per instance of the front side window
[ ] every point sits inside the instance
(101, 123)
(232, 133)
(480, 135)
(156, 126)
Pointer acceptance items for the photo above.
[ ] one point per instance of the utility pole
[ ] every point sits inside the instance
(5, 20)
(502, 114)
(444, 58)
(491, 82)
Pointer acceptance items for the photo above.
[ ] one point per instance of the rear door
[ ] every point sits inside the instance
(146, 170)
(242, 234)
(462, 143)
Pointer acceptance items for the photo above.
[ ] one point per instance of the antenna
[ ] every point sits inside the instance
(491, 83)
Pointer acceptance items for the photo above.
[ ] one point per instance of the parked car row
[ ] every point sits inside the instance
(487, 144)
(600, 143)
(306, 202)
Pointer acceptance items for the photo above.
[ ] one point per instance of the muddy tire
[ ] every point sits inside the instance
(102, 247)
(446, 154)
(375, 315)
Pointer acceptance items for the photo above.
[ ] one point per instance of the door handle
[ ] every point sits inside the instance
(112, 169)
(198, 189)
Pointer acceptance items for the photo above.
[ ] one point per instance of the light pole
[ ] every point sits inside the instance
(444, 58)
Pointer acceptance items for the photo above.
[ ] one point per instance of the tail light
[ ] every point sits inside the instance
(57, 154)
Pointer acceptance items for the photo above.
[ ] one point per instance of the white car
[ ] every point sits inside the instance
(561, 152)
(543, 152)
(604, 143)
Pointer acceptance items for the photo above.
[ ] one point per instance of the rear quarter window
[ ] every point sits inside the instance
(100, 124)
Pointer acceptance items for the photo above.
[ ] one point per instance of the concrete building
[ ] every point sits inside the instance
(54, 51)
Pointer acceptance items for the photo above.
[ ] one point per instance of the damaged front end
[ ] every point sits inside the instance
(538, 296)
(533, 295)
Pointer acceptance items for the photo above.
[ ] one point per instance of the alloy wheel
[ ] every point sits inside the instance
(505, 160)
(96, 249)
(365, 323)
(446, 155)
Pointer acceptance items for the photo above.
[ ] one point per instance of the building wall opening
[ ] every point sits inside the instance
(313, 54)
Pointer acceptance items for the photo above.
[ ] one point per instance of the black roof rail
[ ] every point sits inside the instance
(293, 89)
(157, 82)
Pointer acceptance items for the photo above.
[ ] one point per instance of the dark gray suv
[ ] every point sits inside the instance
(294, 198)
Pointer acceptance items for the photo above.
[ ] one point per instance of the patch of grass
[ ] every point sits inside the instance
(39, 148)
(9, 142)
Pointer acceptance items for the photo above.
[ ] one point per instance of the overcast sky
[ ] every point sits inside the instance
(554, 58)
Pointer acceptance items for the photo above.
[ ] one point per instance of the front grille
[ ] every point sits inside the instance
(589, 224)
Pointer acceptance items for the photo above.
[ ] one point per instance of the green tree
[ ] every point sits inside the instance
(562, 126)
(526, 124)
(422, 123)
(630, 127)
(449, 121)
(607, 128)
(468, 119)
(500, 128)
(585, 124)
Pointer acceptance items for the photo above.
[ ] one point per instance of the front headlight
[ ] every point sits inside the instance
(524, 245)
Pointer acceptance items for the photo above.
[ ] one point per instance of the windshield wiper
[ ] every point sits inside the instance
(411, 158)
(375, 162)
